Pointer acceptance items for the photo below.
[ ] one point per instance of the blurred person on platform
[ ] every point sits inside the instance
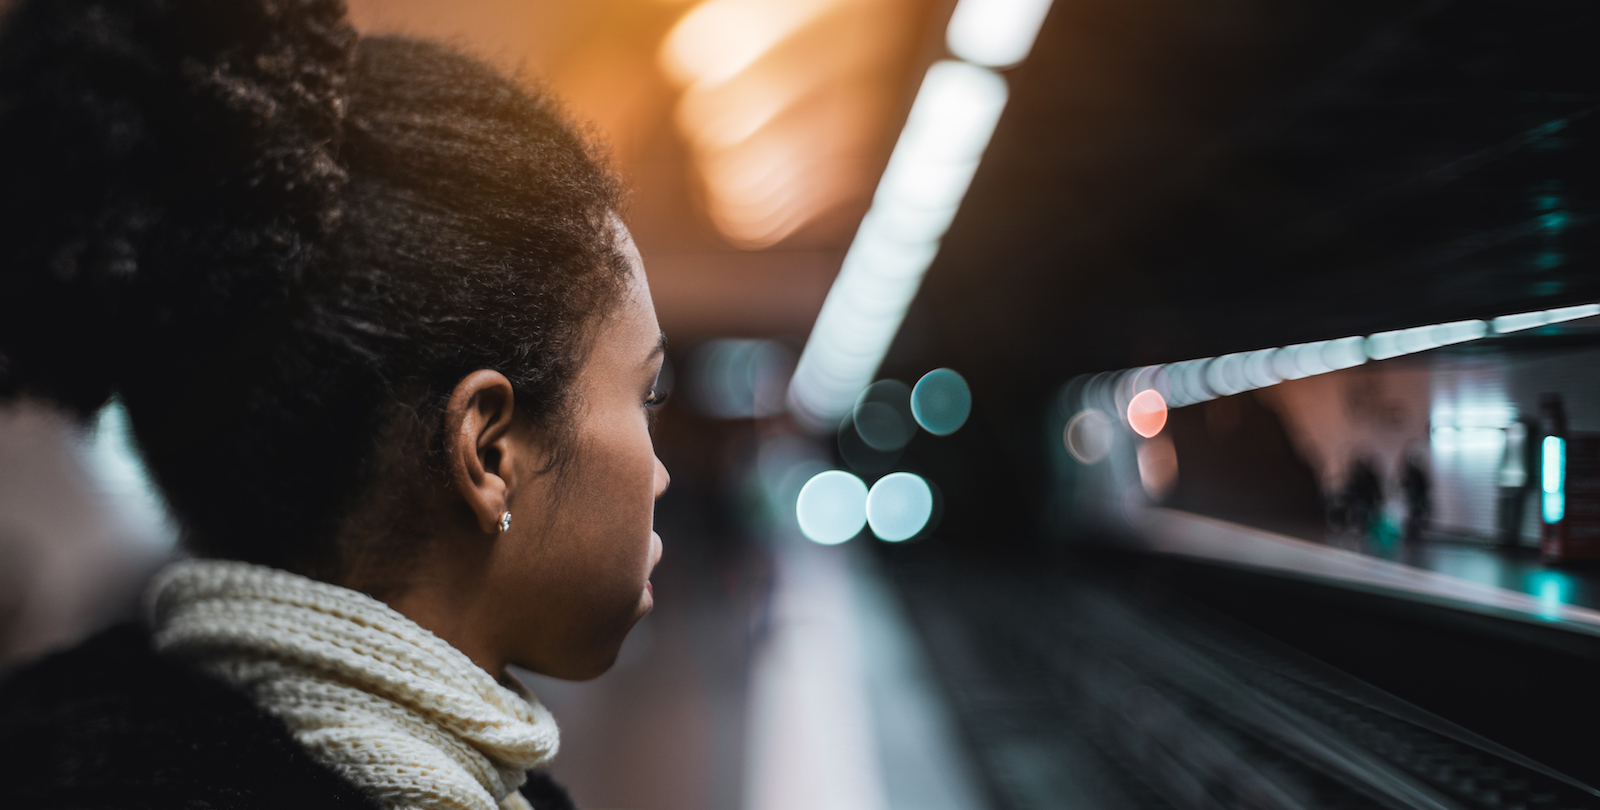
(1357, 507)
(388, 349)
(1417, 490)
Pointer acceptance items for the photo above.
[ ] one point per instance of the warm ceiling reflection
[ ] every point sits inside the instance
(738, 124)
(784, 105)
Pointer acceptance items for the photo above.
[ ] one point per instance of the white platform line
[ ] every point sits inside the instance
(1185, 534)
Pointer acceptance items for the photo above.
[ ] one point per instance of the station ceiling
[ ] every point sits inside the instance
(1174, 180)
(752, 132)
(1169, 180)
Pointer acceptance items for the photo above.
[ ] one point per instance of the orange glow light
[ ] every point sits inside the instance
(1147, 413)
(774, 106)
(719, 39)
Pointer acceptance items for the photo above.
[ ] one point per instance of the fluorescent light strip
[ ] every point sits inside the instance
(954, 115)
(1384, 345)
(1530, 320)
(951, 121)
(995, 33)
(1207, 378)
(1192, 381)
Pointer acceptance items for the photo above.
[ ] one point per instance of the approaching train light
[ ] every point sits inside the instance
(832, 507)
(1147, 413)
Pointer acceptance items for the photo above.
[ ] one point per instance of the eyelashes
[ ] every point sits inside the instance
(652, 406)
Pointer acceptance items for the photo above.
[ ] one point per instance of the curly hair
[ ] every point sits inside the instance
(281, 246)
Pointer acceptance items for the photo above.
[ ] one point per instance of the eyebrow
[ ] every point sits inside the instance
(660, 348)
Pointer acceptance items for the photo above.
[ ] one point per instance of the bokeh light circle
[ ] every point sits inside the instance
(941, 401)
(1147, 413)
(832, 507)
(1088, 436)
(883, 415)
(898, 506)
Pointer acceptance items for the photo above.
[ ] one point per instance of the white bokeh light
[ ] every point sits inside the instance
(898, 506)
(832, 507)
(995, 33)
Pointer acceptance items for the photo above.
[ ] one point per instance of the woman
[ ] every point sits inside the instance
(390, 354)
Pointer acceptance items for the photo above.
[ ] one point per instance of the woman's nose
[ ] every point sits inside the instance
(663, 478)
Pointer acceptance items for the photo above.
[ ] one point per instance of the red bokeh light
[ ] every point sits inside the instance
(1147, 413)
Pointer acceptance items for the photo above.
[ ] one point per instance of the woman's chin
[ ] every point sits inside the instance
(585, 670)
(596, 659)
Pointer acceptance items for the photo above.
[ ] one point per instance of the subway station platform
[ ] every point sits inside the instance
(1474, 576)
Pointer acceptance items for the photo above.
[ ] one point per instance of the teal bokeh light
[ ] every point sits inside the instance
(832, 507)
(941, 402)
(1552, 478)
(1553, 589)
(883, 415)
(899, 506)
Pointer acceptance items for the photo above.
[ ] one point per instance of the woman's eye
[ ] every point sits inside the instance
(655, 397)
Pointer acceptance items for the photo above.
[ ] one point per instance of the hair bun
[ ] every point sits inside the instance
(170, 167)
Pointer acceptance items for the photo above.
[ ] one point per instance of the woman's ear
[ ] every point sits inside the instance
(481, 454)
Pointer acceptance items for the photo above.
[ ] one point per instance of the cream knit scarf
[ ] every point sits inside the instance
(392, 707)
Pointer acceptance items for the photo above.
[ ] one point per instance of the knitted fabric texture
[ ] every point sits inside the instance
(400, 713)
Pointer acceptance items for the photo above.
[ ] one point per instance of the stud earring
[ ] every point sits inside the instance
(505, 522)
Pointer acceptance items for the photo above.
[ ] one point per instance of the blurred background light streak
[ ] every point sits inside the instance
(775, 106)
(1088, 436)
(1384, 345)
(954, 115)
(719, 39)
(1530, 320)
(995, 33)
(109, 454)
(1158, 466)
(1199, 380)
(734, 378)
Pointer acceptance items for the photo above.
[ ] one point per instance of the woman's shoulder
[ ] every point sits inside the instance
(109, 724)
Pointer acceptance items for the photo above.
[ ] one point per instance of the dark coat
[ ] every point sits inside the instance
(109, 724)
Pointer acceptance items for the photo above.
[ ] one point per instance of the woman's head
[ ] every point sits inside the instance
(286, 250)
(557, 590)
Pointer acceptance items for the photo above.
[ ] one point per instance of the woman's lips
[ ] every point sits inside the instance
(655, 559)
